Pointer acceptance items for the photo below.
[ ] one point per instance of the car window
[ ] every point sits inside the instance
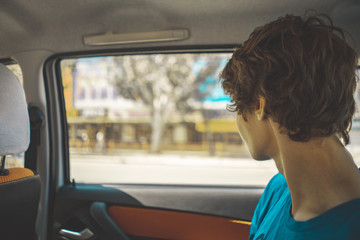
(15, 68)
(156, 119)
(16, 160)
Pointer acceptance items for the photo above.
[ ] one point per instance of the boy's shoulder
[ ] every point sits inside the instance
(340, 222)
(272, 217)
(274, 196)
(276, 188)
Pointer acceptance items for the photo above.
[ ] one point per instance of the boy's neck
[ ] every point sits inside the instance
(320, 174)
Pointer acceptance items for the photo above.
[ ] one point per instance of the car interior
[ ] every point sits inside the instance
(113, 122)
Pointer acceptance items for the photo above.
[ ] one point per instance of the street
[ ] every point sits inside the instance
(170, 169)
(131, 166)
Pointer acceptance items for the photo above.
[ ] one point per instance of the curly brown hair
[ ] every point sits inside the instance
(305, 70)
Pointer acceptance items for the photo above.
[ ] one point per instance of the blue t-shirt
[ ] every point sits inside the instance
(272, 219)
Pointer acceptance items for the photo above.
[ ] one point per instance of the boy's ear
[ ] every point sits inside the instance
(260, 108)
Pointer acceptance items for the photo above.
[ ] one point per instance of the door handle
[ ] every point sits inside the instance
(83, 235)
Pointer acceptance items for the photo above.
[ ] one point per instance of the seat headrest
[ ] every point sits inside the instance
(14, 117)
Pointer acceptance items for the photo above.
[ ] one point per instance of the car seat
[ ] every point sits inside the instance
(19, 187)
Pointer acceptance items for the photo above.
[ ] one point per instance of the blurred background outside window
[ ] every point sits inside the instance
(156, 119)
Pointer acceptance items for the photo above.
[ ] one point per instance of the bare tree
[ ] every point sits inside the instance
(165, 82)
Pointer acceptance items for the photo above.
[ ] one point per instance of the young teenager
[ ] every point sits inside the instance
(292, 84)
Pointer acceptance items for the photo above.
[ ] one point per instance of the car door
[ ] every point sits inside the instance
(143, 148)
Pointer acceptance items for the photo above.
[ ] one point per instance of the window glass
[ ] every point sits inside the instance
(16, 160)
(15, 68)
(157, 119)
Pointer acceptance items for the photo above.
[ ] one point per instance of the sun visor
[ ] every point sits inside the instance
(138, 37)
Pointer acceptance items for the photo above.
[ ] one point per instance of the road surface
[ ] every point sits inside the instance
(136, 167)
(170, 169)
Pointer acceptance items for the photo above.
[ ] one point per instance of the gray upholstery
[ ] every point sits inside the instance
(14, 117)
(59, 26)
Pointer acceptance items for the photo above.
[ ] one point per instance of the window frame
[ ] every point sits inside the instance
(59, 139)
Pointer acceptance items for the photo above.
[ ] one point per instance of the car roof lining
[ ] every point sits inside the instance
(59, 26)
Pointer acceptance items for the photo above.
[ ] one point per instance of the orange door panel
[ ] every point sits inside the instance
(166, 224)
